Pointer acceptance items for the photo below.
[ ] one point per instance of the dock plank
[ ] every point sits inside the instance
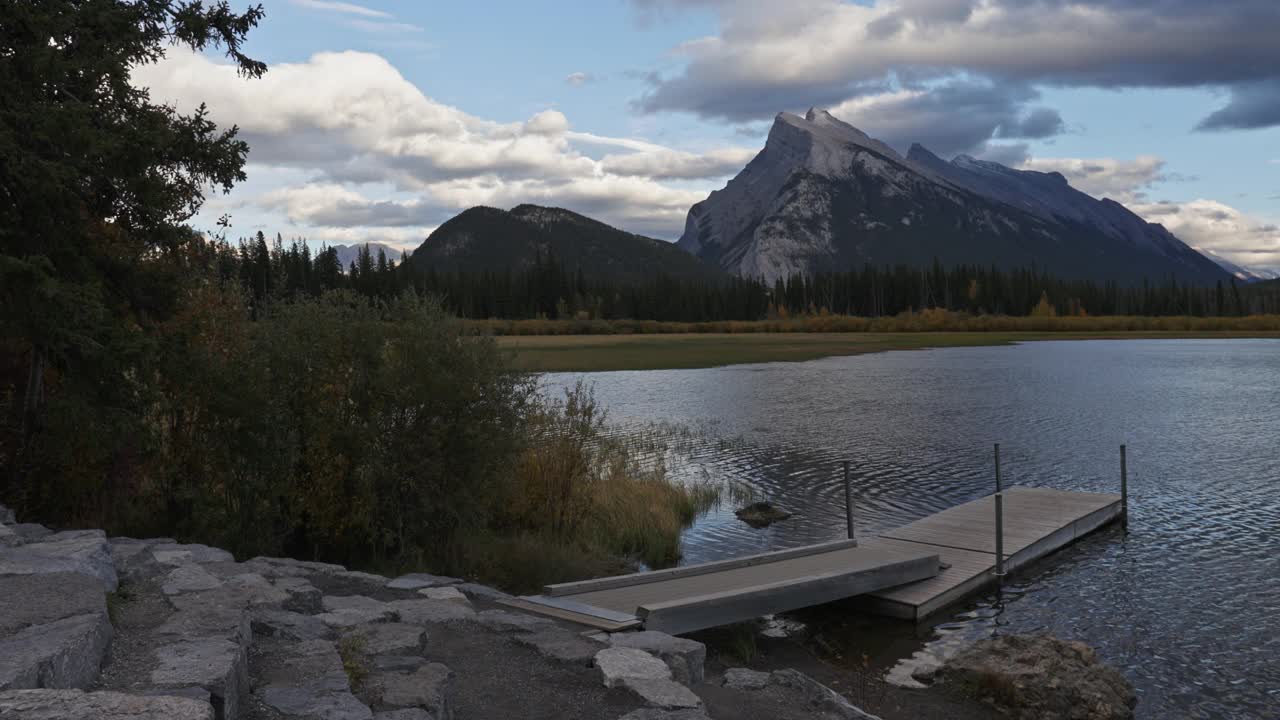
(1037, 521)
(629, 598)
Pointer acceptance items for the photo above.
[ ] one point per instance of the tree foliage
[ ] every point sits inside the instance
(96, 183)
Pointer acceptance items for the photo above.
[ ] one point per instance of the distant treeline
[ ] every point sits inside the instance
(549, 289)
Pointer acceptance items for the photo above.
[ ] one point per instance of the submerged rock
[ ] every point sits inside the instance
(1042, 677)
(761, 514)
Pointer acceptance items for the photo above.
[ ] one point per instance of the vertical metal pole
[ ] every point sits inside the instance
(1000, 536)
(848, 501)
(999, 489)
(1124, 490)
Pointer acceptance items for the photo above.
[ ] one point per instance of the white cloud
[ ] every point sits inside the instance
(1216, 226)
(1125, 181)
(377, 153)
(578, 79)
(341, 7)
(674, 164)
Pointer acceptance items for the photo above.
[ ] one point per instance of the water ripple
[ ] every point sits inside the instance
(1187, 605)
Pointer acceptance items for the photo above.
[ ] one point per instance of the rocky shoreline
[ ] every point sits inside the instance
(107, 628)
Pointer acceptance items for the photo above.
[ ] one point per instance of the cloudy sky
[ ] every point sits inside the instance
(378, 120)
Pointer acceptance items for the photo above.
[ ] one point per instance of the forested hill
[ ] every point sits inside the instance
(485, 239)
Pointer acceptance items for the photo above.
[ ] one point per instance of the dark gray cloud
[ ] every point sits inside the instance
(1252, 105)
(770, 56)
(955, 117)
(1009, 155)
(1038, 124)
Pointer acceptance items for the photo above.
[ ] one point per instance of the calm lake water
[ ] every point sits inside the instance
(1187, 605)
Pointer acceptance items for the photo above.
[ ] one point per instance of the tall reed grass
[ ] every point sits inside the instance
(584, 502)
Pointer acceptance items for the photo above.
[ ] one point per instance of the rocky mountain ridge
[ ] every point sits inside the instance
(490, 239)
(823, 195)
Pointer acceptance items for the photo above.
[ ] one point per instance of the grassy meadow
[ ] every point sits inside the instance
(655, 351)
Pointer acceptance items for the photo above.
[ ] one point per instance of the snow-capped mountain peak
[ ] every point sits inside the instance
(822, 194)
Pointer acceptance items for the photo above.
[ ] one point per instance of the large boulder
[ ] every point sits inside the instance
(77, 705)
(214, 664)
(387, 639)
(1042, 677)
(65, 653)
(307, 680)
(79, 551)
(344, 611)
(27, 600)
(54, 630)
(646, 676)
(289, 625)
(180, 554)
(428, 687)
(686, 658)
(428, 612)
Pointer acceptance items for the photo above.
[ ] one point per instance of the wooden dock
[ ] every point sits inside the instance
(1037, 521)
(910, 572)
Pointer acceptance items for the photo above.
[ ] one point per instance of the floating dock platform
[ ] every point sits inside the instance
(910, 572)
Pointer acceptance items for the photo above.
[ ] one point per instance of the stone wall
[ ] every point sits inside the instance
(115, 628)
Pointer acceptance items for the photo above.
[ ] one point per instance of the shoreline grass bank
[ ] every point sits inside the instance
(687, 350)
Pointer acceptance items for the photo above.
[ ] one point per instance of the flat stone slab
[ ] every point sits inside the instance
(484, 592)
(79, 551)
(37, 599)
(662, 693)
(289, 625)
(301, 595)
(66, 653)
(429, 688)
(617, 664)
(180, 554)
(563, 645)
(745, 679)
(78, 705)
(685, 657)
(342, 611)
(448, 592)
(418, 581)
(509, 621)
(215, 664)
(188, 578)
(274, 567)
(389, 638)
(307, 680)
(426, 612)
(30, 532)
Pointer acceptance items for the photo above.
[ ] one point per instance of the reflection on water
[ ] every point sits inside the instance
(1188, 605)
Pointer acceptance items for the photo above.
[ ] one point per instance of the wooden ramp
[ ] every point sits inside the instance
(694, 597)
(1037, 521)
(910, 572)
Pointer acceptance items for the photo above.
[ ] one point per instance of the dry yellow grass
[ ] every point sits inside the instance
(691, 350)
